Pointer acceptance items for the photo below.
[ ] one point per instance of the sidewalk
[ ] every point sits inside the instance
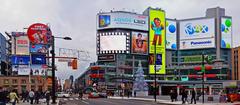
(41, 102)
(161, 101)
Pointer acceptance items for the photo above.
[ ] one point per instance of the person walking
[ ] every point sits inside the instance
(24, 96)
(171, 95)
(193, 96)
(47, 96)
(184, 96)
(31, 96)
(13, 97)
(3, 96)
(37, 97)
(80, 94)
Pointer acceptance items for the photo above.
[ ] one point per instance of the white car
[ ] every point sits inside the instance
(62, 94)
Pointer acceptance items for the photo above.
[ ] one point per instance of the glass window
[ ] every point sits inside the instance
(14, 81)
(24, 81)
(6, 81)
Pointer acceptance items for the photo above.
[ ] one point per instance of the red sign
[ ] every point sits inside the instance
(39, 33)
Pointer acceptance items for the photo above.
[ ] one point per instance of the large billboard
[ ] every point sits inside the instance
(38, 59)
(139, 43)
(38, 48)
(20, 45)
(113, 42)
(20, 60)
(157, 37)
(171, 34)
(39, 33)
(122, 20)
(38, 70)
(199, 33)
(21, 69)
(226, 32)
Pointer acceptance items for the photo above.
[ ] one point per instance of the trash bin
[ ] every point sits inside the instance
(210, 98)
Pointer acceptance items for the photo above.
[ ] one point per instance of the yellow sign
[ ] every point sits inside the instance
(157, 36)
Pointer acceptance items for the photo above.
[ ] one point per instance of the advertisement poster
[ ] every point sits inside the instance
(20, 60)
(196, 34)
(38, 70)
(38, 59)
(21, 69)
(226, 31)
(122, 20)
(39, 33)
(38, 48)
(157, 37)
(113, 42)
(171, 34)
(20, 45)
(139, 43)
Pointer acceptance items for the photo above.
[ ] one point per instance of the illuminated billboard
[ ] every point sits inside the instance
(113, 42)
(171, 34)
(39, 33)
(199, 33)
(139, 43)
(157, 37)
(38, 59)
(226, 32)
(122, 20)
(20, 45)
(20, 60)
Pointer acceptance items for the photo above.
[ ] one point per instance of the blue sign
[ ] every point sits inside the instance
(38, 59)
(20, 60)
(192, 29)
(104, 20)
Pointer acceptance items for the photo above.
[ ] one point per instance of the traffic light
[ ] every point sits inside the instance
(74, 64)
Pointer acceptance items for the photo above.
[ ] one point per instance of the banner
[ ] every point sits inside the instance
(21, 69)
(157, 37)
(226, 31)
(20, 45)
(38, 59)
(38, 48)
(39, 33)
(20, 60)
(38, 70)
(139, 43)
(171, 34)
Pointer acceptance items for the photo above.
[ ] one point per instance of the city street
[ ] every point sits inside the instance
(103, 101)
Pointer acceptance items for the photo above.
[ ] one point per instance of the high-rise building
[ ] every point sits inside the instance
(235, 74)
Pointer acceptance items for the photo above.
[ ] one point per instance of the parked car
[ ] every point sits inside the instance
(63, 95)
(93, 95)
(102, 95)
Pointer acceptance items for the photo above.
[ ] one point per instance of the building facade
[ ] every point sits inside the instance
(186, 42)
(235, 64)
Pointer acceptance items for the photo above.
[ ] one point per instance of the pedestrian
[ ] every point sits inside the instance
(31, 96)
(175, 95)
(80, 94)
(47, 96)
(37, 97)
(171, 95)
(13, 97)
(193, 96)
(24, 96)
(3, 96)
(184, 96)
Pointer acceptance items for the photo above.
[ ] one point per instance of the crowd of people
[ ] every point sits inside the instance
(184, 93)
(12, 96)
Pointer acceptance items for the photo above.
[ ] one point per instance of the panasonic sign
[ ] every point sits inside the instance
(201, 43)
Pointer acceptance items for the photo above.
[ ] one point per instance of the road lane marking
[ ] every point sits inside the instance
(76, 98)
(65, 99)
(85, 102)
(71, 99)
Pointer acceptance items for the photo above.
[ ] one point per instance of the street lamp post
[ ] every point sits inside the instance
(53, 67)
(155, 72)
(203, 74)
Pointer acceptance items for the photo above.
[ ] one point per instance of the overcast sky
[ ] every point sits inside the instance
(77, 18)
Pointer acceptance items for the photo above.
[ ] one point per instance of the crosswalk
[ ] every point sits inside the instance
(72, 99)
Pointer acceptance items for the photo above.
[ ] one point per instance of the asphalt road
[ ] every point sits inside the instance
(104, 101)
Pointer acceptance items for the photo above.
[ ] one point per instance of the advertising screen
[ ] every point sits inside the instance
(122, 20)
(39, 33)
(226, 31)
(139, 43)
(38, 59)
(38, 48)
(112, 42)
(171, 34)
(21, 69)
(38, 70)
(20, 60)
(197, 43)
(20, 45)
(157, 37)
(198, 33)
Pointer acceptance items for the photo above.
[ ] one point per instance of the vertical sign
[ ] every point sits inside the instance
(157, 34)
(226, 31)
